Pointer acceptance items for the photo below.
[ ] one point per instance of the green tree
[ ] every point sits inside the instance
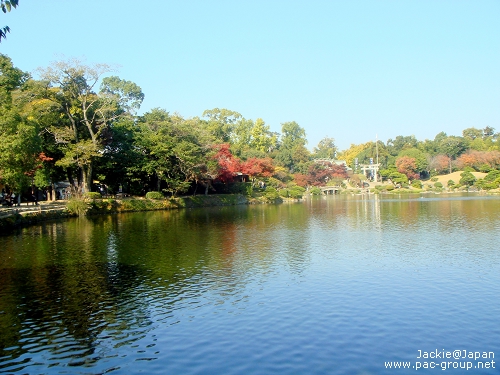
(292, 152)
(241, 136)
(421, 159)
(262, 139)
(175, 152)
(20, 143)
(472, 133)
(326, 149)
(221, 123)
(395, 146)
(452, 147)
(371, 150)
(89, 114)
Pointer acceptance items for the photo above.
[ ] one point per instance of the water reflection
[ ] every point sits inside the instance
(181, 288)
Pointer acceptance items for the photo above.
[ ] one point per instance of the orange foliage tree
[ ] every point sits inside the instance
(407, 166)
(439, 164)
(478, 159)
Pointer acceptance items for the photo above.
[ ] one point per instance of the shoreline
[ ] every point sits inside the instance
(14, 217)
(95, 207)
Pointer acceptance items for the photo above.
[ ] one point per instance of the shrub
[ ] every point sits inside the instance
(315, 191)
(451, 183)
(271, 193)
(77, 206)
(92, 195)
(274, 182)
(467, 178)
(154, 195)
(416, 184)
(438, 185)
(296, 192)
(485, 168)
(398, 178)
(243, 188)
(492, 175)
(434, 179)
(285, 193)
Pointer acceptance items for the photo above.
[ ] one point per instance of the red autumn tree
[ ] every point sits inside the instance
(228, 164)
(407, 166)
(300, 179)
(256, 167)
(320, 173)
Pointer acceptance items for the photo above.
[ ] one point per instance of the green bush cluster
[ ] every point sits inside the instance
(154, 195)
(416, 184)
(490, 181)
(77, 206)
(271, 193)
(92, 195)
(315, 191)
(468, 178)
(438, 185)
(295, 192)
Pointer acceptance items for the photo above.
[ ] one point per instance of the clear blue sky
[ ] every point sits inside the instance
(346, 69)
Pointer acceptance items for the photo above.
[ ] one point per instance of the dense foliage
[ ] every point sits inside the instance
(78, 123)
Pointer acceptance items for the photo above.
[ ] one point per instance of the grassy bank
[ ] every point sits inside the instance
(89, 207)
(105, 206)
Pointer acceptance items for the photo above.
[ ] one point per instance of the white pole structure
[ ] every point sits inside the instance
(376, 147)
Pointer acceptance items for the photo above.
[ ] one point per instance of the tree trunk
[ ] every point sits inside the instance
(87, 178)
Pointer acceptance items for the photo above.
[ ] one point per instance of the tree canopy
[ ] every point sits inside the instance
(79, 122)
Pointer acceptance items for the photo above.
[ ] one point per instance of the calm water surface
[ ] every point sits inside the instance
(333, 285)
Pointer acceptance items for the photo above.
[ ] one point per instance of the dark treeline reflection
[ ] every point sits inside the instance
(85, 280)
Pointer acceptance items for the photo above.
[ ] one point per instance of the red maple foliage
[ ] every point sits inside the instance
(319, 174)
(300, 179)
(408, 166)
(255, 167)
(229, 165)
(40, 159)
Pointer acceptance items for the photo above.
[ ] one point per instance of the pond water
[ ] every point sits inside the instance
(331, 285)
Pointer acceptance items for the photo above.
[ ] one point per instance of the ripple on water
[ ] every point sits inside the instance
(333, 286)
